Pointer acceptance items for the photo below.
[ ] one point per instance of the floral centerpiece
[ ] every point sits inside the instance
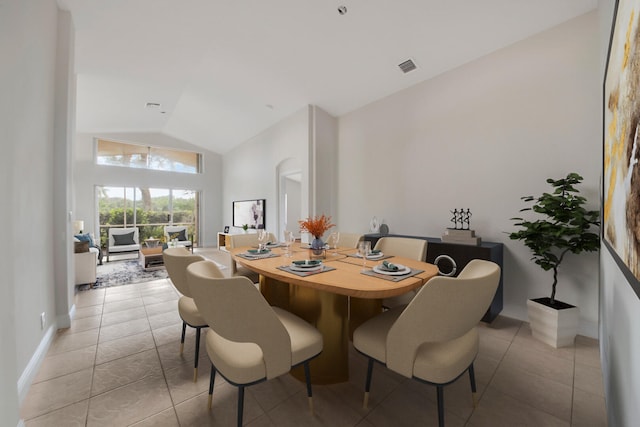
(316, 226)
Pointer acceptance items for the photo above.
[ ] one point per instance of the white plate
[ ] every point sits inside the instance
(273, 245)
(402, 270)
(298, 268)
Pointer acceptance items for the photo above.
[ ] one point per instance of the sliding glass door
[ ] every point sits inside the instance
(149, 209)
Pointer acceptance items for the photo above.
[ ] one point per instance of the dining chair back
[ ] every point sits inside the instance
(433, 339)
(242, 240)
(176, 261)
(249, 341)
(405, 247)
(349, 240)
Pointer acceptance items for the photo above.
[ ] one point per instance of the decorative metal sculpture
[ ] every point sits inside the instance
(461, 219)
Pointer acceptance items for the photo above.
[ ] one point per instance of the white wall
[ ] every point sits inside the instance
(619, 308)
(480, 137)
(88, 175)
(306, 141)
(250, 171)
(28, 37)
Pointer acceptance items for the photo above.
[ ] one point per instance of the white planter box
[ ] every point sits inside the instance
(557, 328)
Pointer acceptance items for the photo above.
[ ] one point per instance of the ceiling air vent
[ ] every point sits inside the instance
(152, 105)
(407, 66)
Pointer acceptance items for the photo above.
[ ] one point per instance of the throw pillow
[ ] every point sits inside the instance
(123, 239)
(80, 247)
(180, 235)
(85, 238)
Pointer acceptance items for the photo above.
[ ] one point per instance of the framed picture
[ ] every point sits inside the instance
(250, 213)
(226, 228)
(621, 142)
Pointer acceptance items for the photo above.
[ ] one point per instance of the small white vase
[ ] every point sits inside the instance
(557, 328)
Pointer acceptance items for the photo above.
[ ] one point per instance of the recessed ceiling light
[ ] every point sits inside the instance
(342, 10)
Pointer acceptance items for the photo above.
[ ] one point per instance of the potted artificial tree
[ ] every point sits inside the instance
(564, 226)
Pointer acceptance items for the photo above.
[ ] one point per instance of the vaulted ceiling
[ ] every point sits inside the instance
(225, 70)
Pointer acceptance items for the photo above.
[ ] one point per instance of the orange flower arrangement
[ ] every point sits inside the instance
(317, 226)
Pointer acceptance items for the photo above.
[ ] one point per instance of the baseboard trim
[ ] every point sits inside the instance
(30, 372)
(64, 320)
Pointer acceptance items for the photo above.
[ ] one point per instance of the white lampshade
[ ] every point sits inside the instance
(78, 226)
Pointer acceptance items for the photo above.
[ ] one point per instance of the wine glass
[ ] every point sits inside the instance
(263, 238)
(364, 249)
(288, 240)
(332, 241)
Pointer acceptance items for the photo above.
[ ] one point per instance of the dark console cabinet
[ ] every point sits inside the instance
(461, 254)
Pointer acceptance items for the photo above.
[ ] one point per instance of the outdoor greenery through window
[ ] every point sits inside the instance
(139, 156)
(149, 209)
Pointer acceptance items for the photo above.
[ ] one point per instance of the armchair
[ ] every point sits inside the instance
(123, 240)
(178, 232)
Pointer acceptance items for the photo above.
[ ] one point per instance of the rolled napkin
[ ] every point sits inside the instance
(307, 263)
(258, 251)
(390, 267)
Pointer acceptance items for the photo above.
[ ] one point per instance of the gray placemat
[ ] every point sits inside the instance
(254, 257)
(305, 273)
(371, 259)
(392, 278)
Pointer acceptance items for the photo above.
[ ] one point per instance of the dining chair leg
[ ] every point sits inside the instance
(240, 404)
(307, 377)
(440, 392)
(367, 385)
(212, 380)
(472, 379)
(184, 331)
(195, 364)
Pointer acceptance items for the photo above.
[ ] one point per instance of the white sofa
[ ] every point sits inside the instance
(120, 241)
(85, 267)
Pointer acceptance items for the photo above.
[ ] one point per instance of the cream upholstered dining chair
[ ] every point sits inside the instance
(242, 240)
(176, 261)
(434, 339)
(249, 341)
(349, 240)
(405, 247)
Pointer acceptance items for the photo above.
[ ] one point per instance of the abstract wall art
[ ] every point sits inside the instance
(621, 145)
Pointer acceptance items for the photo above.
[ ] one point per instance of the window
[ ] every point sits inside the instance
(139, 156)
(149, 209)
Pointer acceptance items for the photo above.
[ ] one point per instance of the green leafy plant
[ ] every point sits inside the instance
(245, 227)
(564, 227)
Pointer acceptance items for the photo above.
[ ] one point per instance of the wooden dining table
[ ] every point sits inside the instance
(335, 301)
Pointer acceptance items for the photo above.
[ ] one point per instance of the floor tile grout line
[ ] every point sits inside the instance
(536, 375)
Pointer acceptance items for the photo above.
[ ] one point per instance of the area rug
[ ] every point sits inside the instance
(125, 272)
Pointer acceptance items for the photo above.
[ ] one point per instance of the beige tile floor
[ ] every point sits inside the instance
(118, 365)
